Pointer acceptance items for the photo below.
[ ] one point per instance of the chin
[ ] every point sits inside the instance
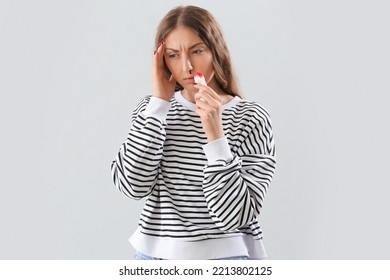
(190, 89)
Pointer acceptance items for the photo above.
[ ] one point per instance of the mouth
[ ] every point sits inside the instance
(190, 80)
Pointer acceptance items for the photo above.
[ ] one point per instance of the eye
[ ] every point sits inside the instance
(172, 55)
(200, 51)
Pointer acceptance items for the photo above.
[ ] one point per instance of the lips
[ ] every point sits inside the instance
(189, 80)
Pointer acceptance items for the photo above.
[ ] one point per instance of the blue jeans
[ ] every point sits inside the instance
(140, 256)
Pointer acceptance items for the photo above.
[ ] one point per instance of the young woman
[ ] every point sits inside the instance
(202, 155)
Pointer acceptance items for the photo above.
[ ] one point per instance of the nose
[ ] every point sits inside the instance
(186, 64)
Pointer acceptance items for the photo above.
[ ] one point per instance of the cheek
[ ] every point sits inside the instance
(172, 66)
(208, 64)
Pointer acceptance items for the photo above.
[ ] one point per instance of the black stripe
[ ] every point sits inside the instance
(166, 162)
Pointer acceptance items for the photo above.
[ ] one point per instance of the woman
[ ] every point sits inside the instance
(203, 156)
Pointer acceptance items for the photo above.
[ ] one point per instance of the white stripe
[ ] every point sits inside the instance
(167, 162)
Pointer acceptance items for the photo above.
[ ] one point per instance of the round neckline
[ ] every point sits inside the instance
(192, 107)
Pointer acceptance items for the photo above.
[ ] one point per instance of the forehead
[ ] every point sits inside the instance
(182, 37)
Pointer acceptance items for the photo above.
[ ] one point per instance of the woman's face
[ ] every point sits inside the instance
(185, 55)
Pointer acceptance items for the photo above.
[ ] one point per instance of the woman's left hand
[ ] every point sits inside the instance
(209, 108)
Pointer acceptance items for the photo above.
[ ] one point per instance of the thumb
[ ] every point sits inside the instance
(172, 81)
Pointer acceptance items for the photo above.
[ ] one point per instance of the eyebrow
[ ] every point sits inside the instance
(193, 46)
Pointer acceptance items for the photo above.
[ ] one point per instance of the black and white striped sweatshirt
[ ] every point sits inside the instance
(196, 191)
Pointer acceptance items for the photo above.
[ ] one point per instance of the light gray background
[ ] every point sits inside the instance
(71, 73)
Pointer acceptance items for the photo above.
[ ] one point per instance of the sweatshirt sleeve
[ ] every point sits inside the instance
(135, 168)
(235, 187)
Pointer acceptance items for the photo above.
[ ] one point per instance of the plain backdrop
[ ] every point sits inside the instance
(71, 72)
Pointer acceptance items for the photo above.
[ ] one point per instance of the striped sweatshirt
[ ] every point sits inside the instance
(203, 199)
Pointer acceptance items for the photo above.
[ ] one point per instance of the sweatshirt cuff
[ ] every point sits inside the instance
(157, 107)
(217, 150)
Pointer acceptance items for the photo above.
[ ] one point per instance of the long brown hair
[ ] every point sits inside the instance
(206, 27)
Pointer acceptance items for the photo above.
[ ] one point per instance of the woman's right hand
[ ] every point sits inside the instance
(162, 87)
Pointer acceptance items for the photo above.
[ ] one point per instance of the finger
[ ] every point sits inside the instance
(205, 111)
(202, 106)
(200, 112)
(158, 55)
(159, 45)
(172, 81)
(205, 106)
(205, 96)
(212, 93)
(198, 97)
